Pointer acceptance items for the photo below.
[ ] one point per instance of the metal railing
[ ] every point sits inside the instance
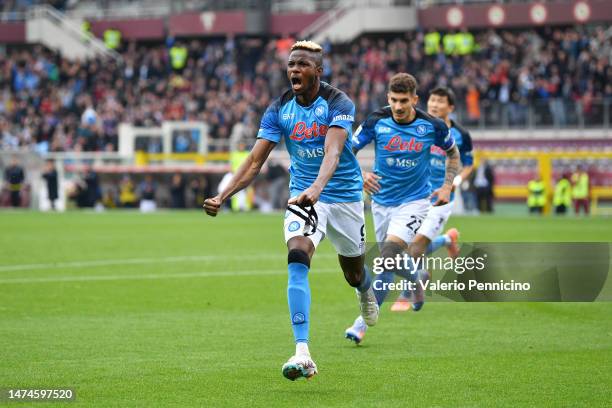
(555, 113)
(73, 29)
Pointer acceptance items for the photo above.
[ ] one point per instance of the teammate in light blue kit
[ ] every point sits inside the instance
(315, 120)
(441, 104)
(400, 186)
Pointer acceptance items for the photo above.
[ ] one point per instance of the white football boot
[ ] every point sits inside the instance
(299, 366)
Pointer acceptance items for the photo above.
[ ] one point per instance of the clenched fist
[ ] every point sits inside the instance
(212, 206)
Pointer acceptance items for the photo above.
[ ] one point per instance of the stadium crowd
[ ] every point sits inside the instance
(49, 103)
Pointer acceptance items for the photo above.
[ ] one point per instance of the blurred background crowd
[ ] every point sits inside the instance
(560, 76)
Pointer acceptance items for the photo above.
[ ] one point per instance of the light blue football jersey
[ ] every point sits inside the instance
(304, 129)
(438, 156)
(403, 153)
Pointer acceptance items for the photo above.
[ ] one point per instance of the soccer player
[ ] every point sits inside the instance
(400, 186)
(440, 104)
(315, 120)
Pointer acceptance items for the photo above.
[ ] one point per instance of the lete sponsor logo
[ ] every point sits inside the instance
(397, 144)
(301, 131)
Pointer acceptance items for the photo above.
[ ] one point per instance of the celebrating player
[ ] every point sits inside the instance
(400, 187)
(315, 119)
(441, 104)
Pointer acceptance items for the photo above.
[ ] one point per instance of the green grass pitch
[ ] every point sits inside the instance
(179, 309)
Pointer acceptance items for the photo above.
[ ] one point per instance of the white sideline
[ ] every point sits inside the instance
(98, 278)
(137, 261)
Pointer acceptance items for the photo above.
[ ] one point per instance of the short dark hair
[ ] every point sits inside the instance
(403, 83)
(444, 91)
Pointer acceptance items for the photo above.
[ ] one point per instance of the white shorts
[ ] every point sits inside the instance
(403, 220)
(342, 222)
(435, 220)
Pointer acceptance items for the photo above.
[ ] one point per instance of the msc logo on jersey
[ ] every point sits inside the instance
(311, 153)
(301, 131)
(400, 162)
(421, 129)
(293, 226)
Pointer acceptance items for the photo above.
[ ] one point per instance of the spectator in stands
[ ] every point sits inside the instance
(278, 184)
(14, 178)
(468, 194)
(484, 180)
(127, 193)
(93, 192)
(200, 188)
(50, 176)
(561, 75)
(177, 191)
(147, 194)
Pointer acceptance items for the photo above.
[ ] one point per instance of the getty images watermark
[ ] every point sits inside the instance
(500, 272)
(461, 264)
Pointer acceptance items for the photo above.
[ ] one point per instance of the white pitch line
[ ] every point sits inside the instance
(138, 261)
(98, 278)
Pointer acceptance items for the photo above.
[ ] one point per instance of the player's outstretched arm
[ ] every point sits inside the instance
(453, 164)
(334, 143)
(243, 177)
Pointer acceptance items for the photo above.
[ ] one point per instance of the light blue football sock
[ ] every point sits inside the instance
(298, 296)
(407, 273)
(380, 286)
(382, 280)
(437, 243)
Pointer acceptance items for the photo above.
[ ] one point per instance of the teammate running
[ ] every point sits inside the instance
(441, 104)
(400, 187)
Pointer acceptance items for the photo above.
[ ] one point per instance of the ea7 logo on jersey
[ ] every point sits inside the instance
(287, 116)
(383, 129)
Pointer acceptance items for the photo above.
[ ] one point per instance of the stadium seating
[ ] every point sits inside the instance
(48, 103)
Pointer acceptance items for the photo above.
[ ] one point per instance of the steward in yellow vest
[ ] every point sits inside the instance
(580, 190)
(464, 43)
(536, 198)
(178, 57)
(450, 44)
(112, 39)
(562, 199)
(432, 43)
